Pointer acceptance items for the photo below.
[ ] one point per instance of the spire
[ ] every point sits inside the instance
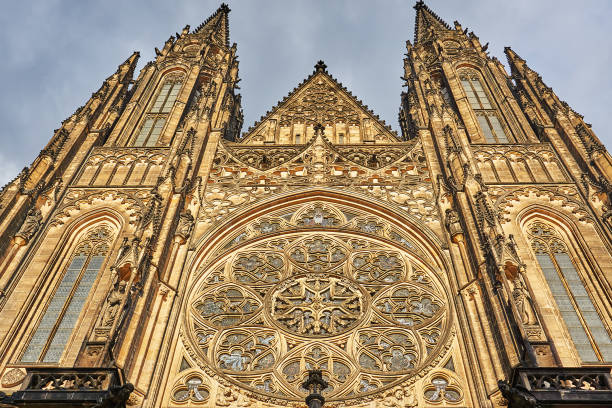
(129, 65)
(517, 64)
(217, 26)
(132, 59)
(425, 21)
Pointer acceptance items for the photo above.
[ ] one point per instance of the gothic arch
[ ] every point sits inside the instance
(95, 229)
(355, 237)
(124, 206)
(511, 202)
(407, 223)
(589, 282)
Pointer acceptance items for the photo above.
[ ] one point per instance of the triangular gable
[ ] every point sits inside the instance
(320, 99)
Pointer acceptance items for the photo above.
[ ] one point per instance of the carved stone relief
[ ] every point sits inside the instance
(399, 178)
(519, 163)
(369, 316)
(507, 199)
(112, 166)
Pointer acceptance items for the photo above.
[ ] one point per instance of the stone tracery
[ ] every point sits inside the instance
(290, 298)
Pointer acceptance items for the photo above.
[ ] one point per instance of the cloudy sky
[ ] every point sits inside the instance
(56, 53)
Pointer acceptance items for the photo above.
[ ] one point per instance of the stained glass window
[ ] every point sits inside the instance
(59, 320)
(151, 128)
(585, 327)
(486, 114)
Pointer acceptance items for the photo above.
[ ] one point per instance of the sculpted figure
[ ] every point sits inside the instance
(452, 223)
(185, 224)
(112, 304)
(523, 302)
(30, 224)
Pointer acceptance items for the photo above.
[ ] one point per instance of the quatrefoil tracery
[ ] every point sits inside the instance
(381, 315)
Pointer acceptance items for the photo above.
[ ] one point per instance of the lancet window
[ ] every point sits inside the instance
(60, 318)
(584, 324)
(486, 114)
(153, 124)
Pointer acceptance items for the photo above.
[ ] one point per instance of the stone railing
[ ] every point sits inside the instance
(71, 387)
(557, 387)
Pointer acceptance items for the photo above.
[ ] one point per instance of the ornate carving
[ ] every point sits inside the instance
(30, 225)
(453, 223)
(404, 183)
(317, 306)
(13, 377)
(227, 305)
(517, 396)
(191, 388)
(113, 302)
(519, 163)
(441, 389)
(133, 201)
(185, 224)
(523, 302)
(261, 322)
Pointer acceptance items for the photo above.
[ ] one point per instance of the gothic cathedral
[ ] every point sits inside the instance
(155, 256)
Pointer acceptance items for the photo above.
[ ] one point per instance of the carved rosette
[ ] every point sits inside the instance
(367, 313)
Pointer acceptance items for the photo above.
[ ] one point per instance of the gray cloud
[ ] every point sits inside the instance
(55, 53)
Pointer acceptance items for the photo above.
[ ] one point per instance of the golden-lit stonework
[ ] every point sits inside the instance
(318, 286)
(155, 256)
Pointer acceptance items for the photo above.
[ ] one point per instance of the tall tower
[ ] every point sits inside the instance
(524, 186)
(152, 256)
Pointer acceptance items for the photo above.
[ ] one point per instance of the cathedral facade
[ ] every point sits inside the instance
(155, 256)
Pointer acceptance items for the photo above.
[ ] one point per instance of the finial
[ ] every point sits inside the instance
(224, 7)
(319, 128)
(315, 384)
(320, 66)
(419, 4)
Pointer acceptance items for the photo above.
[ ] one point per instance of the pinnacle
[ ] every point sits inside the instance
(217, 23)
(426, 20)
(135, 55)
(512, 56)
(320, 68)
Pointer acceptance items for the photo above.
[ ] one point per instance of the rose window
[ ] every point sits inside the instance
(368, 314)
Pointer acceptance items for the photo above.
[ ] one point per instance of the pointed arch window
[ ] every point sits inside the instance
(584, 324)
(486, 114)
(60, 318)
(156, 118)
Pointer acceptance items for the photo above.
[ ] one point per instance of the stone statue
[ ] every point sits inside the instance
(116, 396)
(185, 224)
(112, 304)
(523, 302)
(30, 225)
(517, 396)
(452, 223)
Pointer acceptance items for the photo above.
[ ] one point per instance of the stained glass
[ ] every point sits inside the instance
(56, 326)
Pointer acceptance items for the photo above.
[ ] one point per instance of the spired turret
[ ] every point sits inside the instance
(122, 168)
(491, 135)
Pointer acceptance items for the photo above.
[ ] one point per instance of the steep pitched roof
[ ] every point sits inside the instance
(340, 103)
(425, 20)
(217, 24)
